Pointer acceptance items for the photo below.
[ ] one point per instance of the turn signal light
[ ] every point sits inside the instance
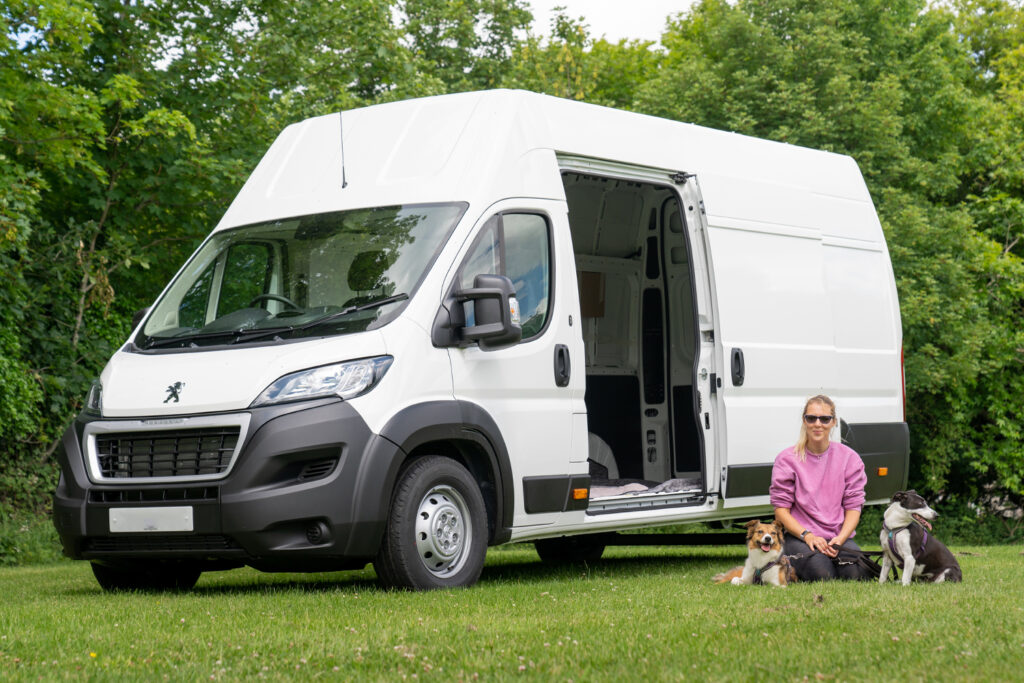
(580, 494)
(883, 471)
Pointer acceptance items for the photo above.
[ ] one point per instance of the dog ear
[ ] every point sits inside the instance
(781, 527)
(752, 523)
(898, 497)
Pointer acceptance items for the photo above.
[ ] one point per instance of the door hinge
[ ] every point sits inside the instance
(681, 177)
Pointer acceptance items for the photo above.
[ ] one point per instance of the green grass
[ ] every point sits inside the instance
(640, 613)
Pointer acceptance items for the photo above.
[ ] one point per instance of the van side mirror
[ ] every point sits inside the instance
(496, 312)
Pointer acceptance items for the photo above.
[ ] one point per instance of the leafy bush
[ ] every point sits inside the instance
(28, 540)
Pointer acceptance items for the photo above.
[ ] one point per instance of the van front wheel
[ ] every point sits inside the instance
(436, 534)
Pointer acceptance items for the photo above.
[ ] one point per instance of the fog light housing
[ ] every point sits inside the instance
(318, 533)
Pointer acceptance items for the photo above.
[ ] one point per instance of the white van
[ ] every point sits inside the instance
(430, 326)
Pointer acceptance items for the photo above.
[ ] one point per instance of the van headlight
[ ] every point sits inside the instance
(345, 380)
(94, 399)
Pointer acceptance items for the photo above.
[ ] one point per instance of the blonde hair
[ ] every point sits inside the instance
(801, 442)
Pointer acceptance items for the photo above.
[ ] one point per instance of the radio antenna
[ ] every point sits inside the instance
(341, 129)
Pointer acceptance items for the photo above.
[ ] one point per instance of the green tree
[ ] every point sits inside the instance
(125, 130)
(468, 44)
(895, 86)
(571, 64)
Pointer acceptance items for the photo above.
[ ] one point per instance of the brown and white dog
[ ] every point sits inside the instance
(765, 561)
(907, 544)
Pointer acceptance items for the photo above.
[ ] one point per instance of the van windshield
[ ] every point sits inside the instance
(311, 276)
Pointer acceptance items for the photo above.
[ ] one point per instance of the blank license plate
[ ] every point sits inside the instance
(150, 519)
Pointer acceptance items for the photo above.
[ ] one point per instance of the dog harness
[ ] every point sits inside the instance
(892, 541)
(762, 570)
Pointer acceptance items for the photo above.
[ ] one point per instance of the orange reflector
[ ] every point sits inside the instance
(883, 471)
(580, 494)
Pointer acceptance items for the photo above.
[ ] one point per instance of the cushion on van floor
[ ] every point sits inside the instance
(625, 487)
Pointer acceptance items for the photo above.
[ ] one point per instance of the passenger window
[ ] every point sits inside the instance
(516, 245)
(246, 275)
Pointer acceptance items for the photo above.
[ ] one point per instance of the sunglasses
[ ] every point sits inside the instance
(823, 419)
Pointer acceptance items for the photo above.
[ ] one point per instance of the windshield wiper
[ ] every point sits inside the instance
(252, 334)
(234, 334)
(325, 319)
(352, 309)
(155, 343)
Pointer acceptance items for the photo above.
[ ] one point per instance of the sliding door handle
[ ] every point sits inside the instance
(563, 367)
(739, 369)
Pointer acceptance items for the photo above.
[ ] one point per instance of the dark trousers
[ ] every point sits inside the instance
(815, 566)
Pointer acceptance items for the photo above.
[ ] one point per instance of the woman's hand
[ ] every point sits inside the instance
(820, 545)
(836, 543)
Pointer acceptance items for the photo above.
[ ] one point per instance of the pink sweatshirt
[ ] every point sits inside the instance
(818, 490)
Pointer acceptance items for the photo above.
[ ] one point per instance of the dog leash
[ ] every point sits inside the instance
(872, 556)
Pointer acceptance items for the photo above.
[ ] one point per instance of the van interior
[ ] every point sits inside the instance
(641, 335)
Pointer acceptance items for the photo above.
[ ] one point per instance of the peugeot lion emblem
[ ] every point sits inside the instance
(174, 392)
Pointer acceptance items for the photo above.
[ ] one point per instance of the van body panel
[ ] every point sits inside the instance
(137, 384)
(420, 374)
(395, 155)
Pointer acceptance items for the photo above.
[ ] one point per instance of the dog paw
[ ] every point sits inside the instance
(737, 581)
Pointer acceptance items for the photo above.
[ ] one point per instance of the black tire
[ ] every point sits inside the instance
(147, 576)
(569, 549)
(436, 534)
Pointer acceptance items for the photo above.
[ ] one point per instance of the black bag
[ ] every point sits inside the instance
(864, 561)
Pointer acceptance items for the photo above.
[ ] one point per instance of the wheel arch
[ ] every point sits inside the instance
(459, 430)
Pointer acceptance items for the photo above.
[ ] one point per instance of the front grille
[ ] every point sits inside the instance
(206, 543)
(175, 453)
(198, 493)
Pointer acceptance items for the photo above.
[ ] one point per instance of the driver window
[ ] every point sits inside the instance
(516, 245)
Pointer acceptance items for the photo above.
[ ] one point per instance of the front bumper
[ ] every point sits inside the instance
(295, 498)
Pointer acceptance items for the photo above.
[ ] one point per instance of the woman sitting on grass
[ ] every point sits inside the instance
(817, 491)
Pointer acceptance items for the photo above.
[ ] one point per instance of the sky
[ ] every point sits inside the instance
(612, 19)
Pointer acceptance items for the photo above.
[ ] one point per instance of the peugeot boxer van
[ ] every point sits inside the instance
(428, 327)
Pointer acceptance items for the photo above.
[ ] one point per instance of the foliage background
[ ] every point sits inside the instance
(126, 129)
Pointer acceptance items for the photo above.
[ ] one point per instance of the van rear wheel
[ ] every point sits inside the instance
(436, 534)
(146, 576)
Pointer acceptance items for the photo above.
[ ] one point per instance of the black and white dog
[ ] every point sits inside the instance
(907, 544)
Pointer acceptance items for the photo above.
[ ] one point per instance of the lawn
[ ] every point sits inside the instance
(639, 613)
